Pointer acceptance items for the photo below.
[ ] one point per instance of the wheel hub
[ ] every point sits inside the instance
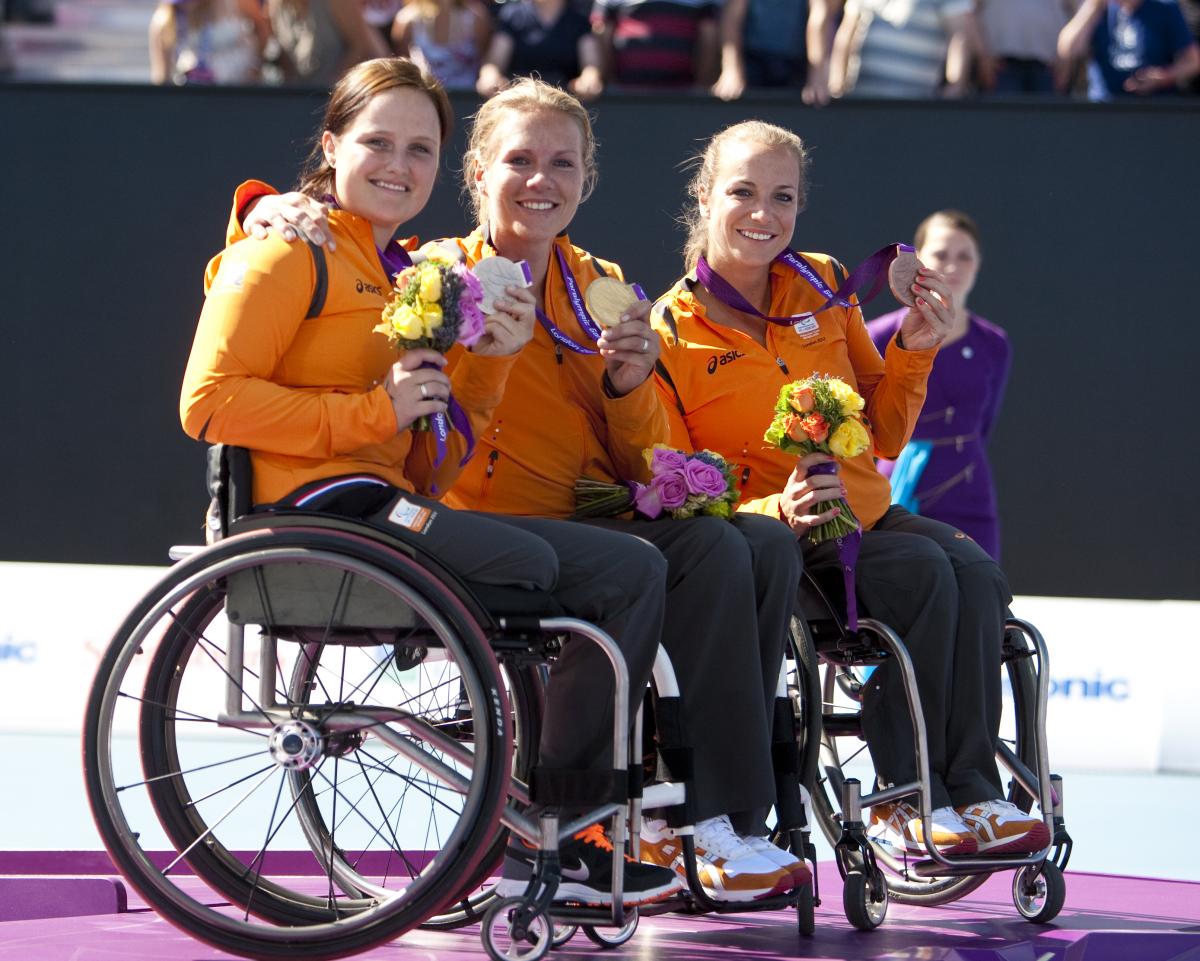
(295, 745)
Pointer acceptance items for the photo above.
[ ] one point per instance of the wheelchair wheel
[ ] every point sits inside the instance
(865, 899)
(611, 937)
(249, 811)
(511, 933)
(843, 754)
(1039, 892)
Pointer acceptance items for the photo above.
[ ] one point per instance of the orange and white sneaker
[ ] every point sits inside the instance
(1000, 827)
(899, 827)
(728, 866)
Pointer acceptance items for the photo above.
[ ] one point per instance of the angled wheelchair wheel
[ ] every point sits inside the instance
(843, 753)
(273, 745)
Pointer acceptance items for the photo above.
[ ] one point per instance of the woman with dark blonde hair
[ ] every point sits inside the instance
(326, 407)
(938, 589)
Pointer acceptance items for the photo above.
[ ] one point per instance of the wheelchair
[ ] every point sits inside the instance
(827, 671)
(310, 737)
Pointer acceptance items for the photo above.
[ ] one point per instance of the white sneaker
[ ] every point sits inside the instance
(729, 867)
(898, 826)
(1000, 827)
(781, 858)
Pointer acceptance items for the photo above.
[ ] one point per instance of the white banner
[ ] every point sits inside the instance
(1123, 692)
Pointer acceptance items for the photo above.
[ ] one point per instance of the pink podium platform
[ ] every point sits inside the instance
(59, 917)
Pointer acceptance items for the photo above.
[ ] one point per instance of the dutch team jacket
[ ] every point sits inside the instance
(303, 394)
(721, 385)
(555, 423)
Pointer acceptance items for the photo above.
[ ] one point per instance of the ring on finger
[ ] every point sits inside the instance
(424, 393)
(645, 344)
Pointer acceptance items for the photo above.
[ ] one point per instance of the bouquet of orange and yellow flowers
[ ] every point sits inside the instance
(821, 414)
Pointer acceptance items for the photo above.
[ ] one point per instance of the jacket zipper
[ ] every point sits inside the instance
(783, 367)
(487, 474)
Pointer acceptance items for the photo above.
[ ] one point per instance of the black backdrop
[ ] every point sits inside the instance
(113, 198)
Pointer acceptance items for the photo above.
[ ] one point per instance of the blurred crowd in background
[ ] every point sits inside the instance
(820, 49)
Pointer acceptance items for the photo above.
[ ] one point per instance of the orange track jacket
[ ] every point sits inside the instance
(303, 395)
(722, 385)
(555, 423)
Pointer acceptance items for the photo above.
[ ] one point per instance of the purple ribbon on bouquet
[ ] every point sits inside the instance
(439, 426)
(847, 550)
(871, 271)
(575, 296)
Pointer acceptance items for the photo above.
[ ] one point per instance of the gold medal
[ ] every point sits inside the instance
(607, 298)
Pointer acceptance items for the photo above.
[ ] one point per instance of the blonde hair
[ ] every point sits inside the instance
(350, 96)
(525, 94)
(708, 161)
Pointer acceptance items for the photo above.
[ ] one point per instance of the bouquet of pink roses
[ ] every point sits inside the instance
(681, 485)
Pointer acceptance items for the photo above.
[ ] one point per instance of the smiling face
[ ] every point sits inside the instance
(953, 253)
(531, 177)
(385, 160)
(750, 208)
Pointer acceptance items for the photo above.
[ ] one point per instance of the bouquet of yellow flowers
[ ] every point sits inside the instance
(821, 414)
(435, 304)
(681, 485)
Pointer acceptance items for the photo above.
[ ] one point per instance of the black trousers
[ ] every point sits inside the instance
(730, 593)
(611, 579)
(947, 599)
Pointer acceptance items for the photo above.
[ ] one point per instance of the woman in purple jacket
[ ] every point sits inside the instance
(944, 473)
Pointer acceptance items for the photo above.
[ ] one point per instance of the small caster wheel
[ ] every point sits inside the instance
(805, 911)
(562, 934)
(507, 938)
(612, 937)
(865, 899)
(1039, 892)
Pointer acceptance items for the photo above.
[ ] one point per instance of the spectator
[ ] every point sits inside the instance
(547, 38)
(943, 472)
(902, 48)
(207, 41)
(1191, 14)
(658, 43)
(446, 37)
(1020, 37)
(762, 45)
(321, 39)
(379, 14)
(1137, 47)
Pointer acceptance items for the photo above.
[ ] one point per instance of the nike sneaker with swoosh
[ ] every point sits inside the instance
(586, 862)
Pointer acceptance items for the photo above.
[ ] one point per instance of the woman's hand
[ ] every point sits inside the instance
(290, 215)
(928, 323)
(802, 497)
(417, 391)
(630, 348)
(510, 325)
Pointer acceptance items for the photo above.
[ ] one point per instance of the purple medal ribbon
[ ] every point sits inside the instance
(873, 270)
(847, 550)
(586, 324)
